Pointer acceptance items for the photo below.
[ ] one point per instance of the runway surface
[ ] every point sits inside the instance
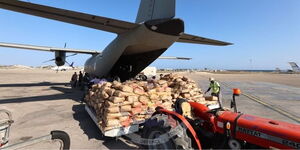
(42, 101)
(260, 88)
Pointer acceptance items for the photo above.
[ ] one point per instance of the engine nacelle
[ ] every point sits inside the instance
(60, 58)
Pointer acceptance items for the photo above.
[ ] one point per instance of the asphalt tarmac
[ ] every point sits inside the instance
(42, 101)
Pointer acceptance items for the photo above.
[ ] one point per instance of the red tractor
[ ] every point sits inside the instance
(216, 128)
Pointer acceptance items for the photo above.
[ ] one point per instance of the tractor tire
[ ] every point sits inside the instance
(164, 132)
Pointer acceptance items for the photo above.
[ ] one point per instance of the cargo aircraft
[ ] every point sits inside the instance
(136, 46)
(295, 67)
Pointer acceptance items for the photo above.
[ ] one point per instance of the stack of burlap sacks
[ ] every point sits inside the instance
(121, 104)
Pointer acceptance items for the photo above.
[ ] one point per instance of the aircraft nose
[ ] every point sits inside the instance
(166, 26)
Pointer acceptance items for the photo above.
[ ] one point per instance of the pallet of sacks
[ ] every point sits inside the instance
(183, 87)
(122, 104)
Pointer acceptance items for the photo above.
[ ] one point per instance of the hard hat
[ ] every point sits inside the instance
(211, 79)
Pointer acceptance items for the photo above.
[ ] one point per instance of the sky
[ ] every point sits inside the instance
(265, 33)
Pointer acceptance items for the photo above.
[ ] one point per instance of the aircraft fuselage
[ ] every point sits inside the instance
(129, 53)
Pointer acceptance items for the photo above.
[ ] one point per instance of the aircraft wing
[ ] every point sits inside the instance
(169, 57)
(78, 18)
(49, 49)
(187, 38)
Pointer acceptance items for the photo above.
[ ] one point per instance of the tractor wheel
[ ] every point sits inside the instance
(164, 132)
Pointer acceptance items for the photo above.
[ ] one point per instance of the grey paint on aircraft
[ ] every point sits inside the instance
(139, 40)
(155, 9)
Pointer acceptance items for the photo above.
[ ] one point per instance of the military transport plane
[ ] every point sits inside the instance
(295, 67)
(136, 46)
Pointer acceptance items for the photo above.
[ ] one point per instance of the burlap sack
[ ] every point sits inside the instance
(127, 103)
(123, 118)
(136, 110)
(134, 85)
(185, 91)
(144, 100)
(181, 83)
(186, 95)
(110, 91)
(165, 97)
(184, 78)
(99, 105)
(94, 86)
(126, 123)
(139, 91)
(104, 95)
(167, 105)
(112, 122)
(107, 84)
(116, 85)
(115, 99)
(112, 115)
(119, 93)
(133, 98)
(154, 97)
(91, 93)
(161, 82)
(126, 88)
(136, 104)
(163, 94)
(178, 80)
(126, 108)
(112, 109)
(110, 104)
(167, 89)
(151, 91)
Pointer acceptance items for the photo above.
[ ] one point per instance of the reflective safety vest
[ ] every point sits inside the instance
(215, 87)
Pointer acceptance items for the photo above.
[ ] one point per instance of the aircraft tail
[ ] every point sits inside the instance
(155, 9)
(294, 66)
(72, 65)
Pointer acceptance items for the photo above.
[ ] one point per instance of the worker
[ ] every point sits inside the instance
(215, 87)
(85, 85)
(74, 80)
(80, 77)
(86, 78)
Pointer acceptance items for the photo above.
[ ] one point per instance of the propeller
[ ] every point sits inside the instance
(71, 55)
(71, 65)
(49, 60)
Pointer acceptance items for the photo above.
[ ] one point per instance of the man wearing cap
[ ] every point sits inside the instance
(215, 87)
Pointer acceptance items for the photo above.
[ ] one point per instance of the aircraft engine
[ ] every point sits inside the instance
(60, 58)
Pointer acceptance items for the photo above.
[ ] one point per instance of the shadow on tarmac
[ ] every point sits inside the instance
(32, 84)
(85, 122)
(67, 93)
